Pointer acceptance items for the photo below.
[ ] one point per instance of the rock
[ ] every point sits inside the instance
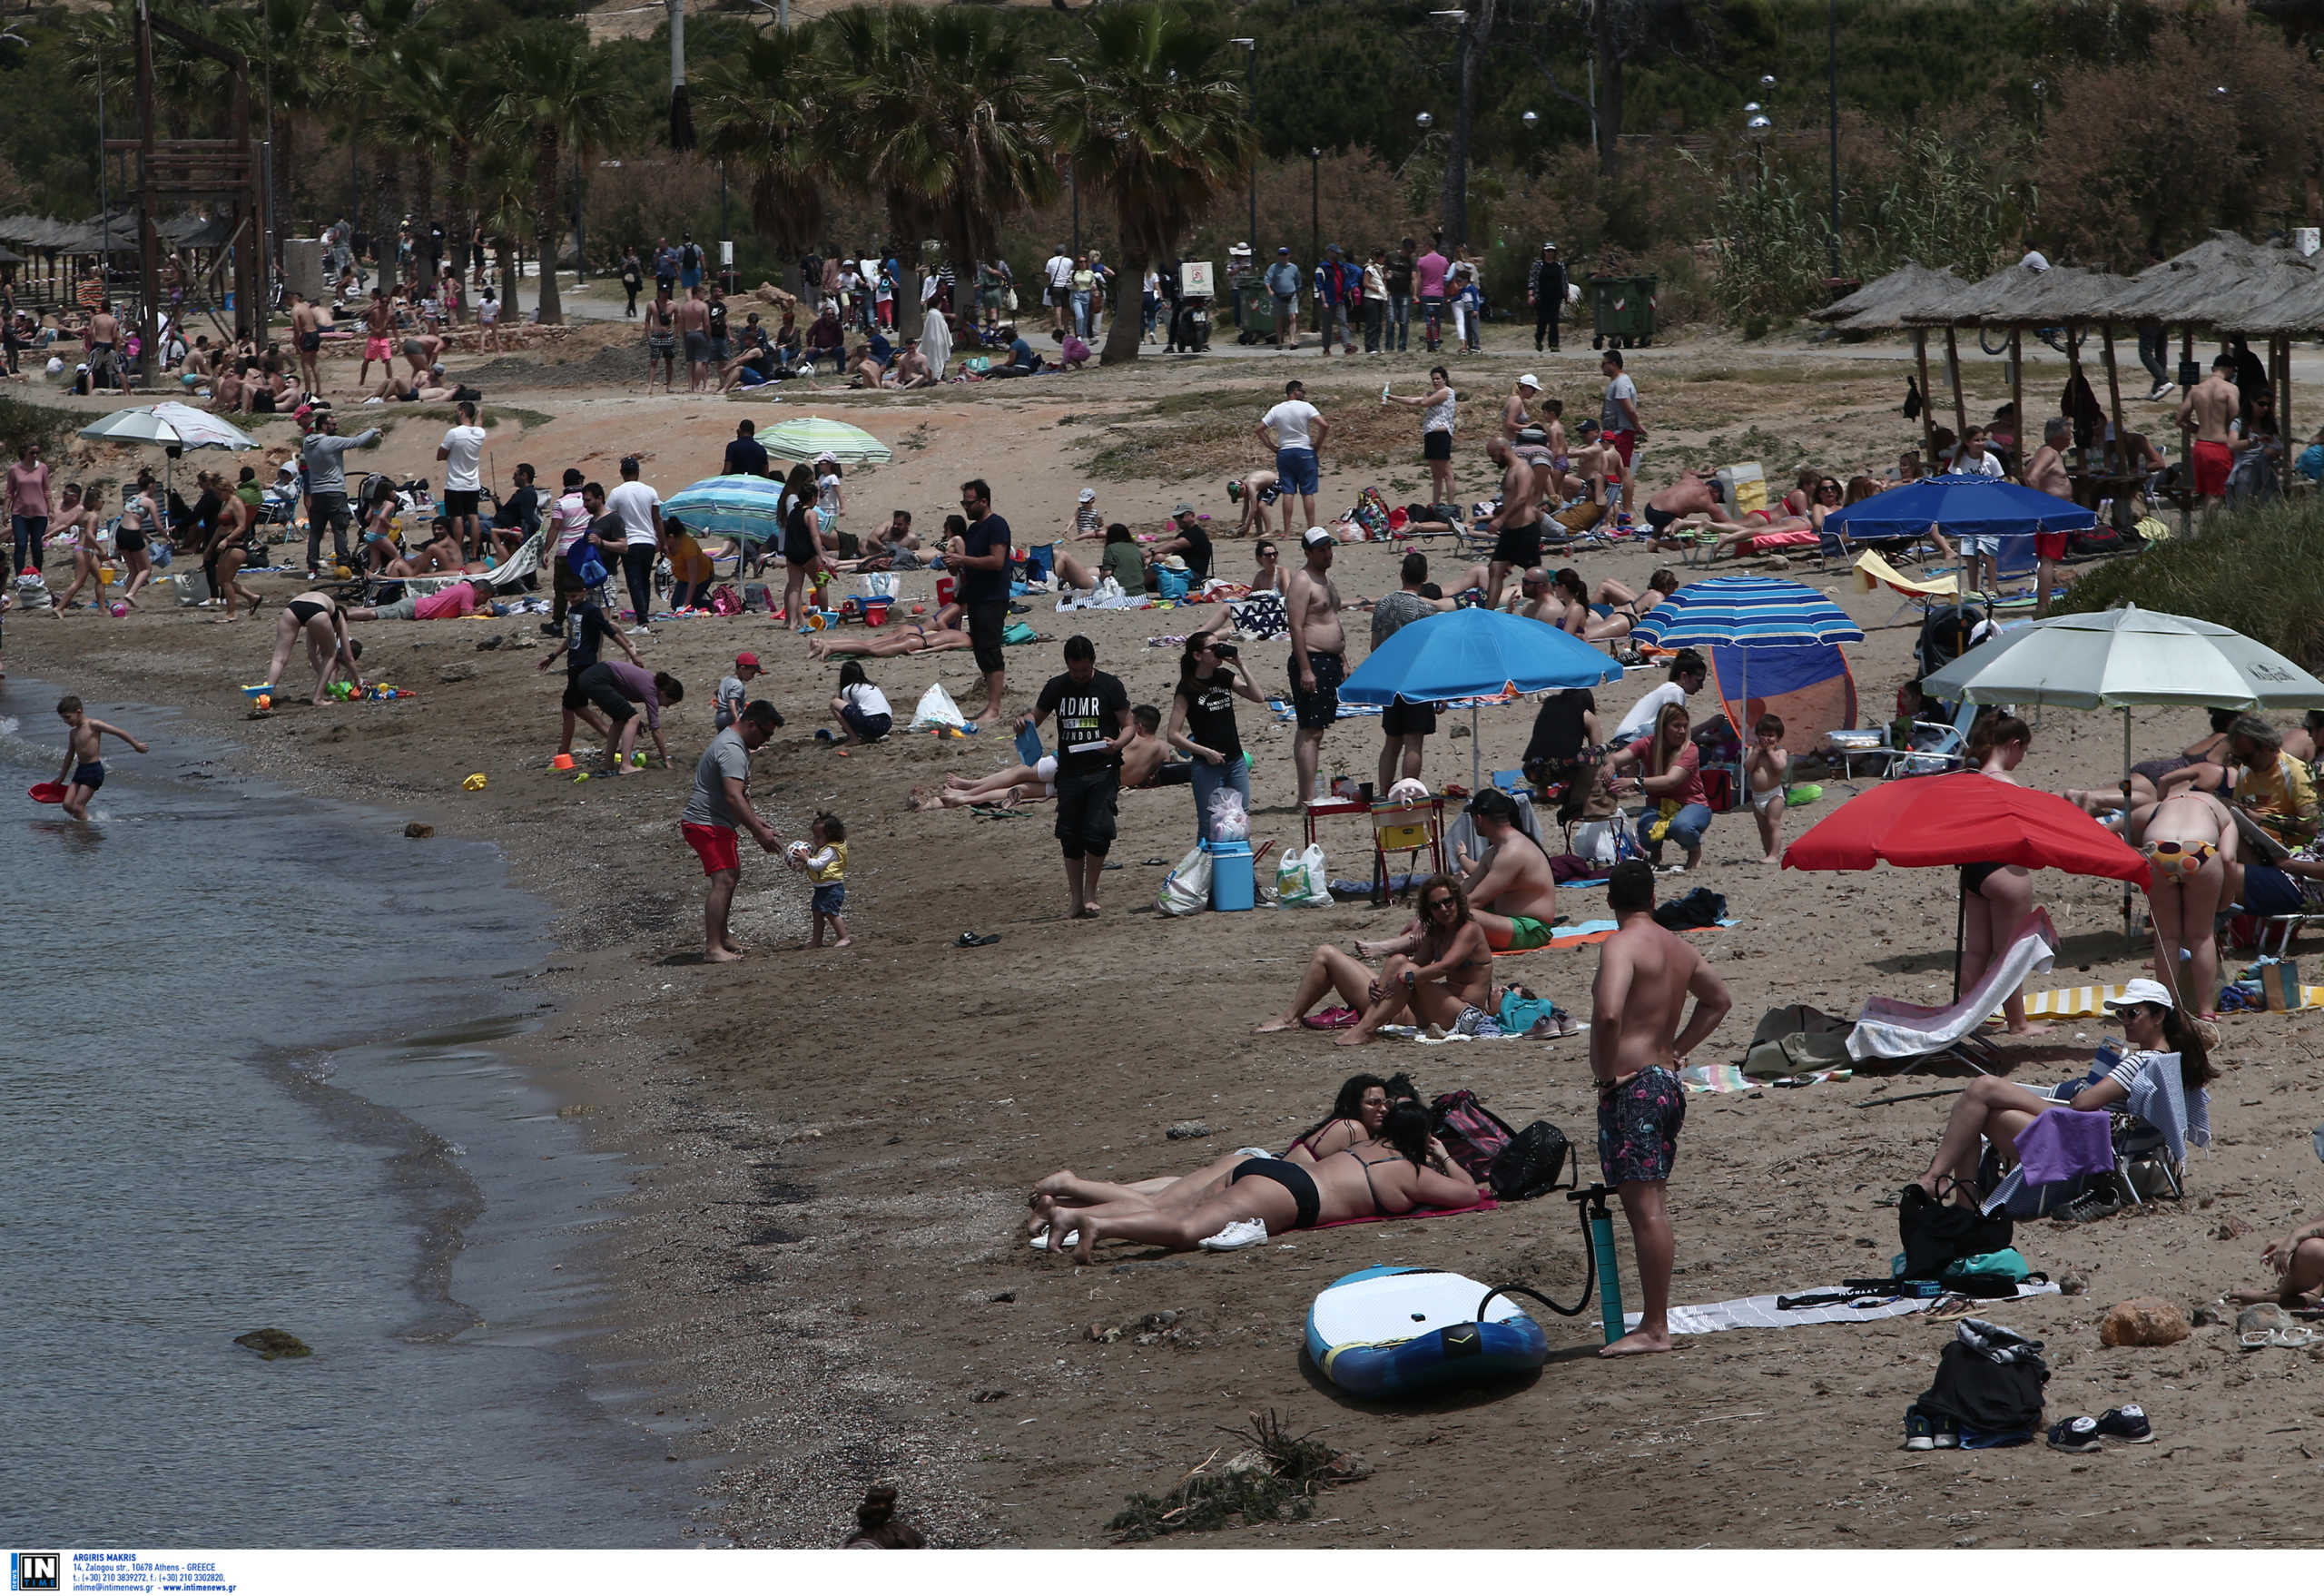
(271, 1345)
(2208, 1314)
(1002, 1297)
(1105, 1333)
(458, 671)
(486, 644)
(1159, 1321)
(2073, 1284)
(2231, 1228)
(418, 829)
(2142, 1321)
(1186, 1130)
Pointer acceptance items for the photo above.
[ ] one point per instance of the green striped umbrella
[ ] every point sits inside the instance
(811, 435)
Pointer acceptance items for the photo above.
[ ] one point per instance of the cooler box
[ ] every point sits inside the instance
(943, 590)
(1232, 886)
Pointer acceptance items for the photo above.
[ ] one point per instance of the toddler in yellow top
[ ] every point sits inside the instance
(824, 861)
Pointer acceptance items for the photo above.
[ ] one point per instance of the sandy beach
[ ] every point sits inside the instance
(822, 1275)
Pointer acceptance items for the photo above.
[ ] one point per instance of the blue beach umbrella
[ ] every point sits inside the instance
(738, 507)
(1959, 505)
(1475, 653)
(1750, 612)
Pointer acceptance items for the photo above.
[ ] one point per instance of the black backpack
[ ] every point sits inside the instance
(1935, 1234)
(1530, 1164)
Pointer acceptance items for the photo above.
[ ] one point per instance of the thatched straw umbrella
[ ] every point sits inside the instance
(1884, 305)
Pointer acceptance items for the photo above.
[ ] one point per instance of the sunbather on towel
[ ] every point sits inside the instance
(1992, 1108)
(1394, 1173)
(1357, 1114)
(1512, 882)
(1444, 978)
(1004, 788)
(938, 633)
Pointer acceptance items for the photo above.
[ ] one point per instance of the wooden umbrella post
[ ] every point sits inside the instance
(2186, 443)
(2017, 391)
(1953, 364)
(2113, 400)
(1928, 401)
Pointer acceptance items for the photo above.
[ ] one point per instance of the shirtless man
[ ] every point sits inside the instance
(84, 737)
(425, 387)
(1318, 654)
(1518, 522)
(1693, 494)
(306, 332)
(1258, 492)
(378, 336)
(105, 339)
(692, 319)
(1514, 893)
(2046, 473)
(662, 341)
(1598, 465)
(911, 369)
(1645, 975)
(2211, 406)
(425, 351)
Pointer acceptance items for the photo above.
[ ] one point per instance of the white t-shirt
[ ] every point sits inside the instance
(568, 518)
(463, 448)
(634, 503)
(1290, 421)
(1645, 712)
(867, 699)
(1986, 465)
(2035, 261)
(487, 310)
(1061, 271)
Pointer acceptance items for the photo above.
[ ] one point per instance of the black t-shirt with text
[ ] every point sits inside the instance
(1210, 712)
(1088, 718)
(584, 627)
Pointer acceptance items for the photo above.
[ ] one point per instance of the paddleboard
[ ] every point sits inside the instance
(1393, 1329)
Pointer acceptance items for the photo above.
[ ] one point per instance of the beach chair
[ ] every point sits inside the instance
(2148, 1135)
(1889, 1030)
(1406, 828)
(520, 565)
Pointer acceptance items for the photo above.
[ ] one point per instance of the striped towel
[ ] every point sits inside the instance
(2079, 1002)
(1729, 1078)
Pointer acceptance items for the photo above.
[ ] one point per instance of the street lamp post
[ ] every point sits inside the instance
(1072, 178)
(1758, 127)
(1456, 165)
(1314, 205)
(1251, 108)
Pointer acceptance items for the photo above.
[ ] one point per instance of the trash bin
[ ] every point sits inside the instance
(1622, 311)
(1254, 310)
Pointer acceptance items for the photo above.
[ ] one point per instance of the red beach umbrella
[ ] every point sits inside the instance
(1964, 818)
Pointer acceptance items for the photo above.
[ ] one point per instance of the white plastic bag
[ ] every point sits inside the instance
(1299, 879)
(938, 710)
(1187, 890)
(1229, 821)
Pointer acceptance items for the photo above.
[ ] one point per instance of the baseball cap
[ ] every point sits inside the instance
(1529, 380)
(747, 662)
(1313, 537)
(2142, 992)
(1181, 509)
(1283, 249)
(827, 455)
(1549, 243)
(1088, 496)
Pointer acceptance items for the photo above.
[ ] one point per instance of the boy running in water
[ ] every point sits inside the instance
(82, 735)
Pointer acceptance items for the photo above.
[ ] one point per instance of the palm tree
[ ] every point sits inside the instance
(1148, 116)
(944, 122)
(557, 93)
(500, 181)
(759, 109)
(287, 74)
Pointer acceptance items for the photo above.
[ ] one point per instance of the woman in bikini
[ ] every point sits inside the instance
(1625, 609)
(2201, 767)
(1998, 897)
(2189, 838)
(316, 617)
(1446, 980)
(1569, 596)
(934, 636)
(1394, 1173)
(228, 550)
(141, 523)
(78, 516)
(1003, 789)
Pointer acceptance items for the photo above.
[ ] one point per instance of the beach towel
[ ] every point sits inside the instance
(1730, 1077)
(1588, 932)
(2062, 1143)
(1482, 1206)
(2160, 1098)
(1260, 617)
(2081, 1002)
(1870, 571)
(1760, 1312)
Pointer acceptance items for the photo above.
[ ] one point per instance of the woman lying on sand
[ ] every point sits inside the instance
(1997, 1111)
(1357, 1114)
(1393, 1173)
(934, 636)
(1003, 789)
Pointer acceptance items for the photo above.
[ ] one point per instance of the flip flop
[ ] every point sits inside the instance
(971, 939)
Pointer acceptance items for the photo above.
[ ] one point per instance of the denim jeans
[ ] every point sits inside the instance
(1081, 312)
(1375, 318)
(1431, 311)
(1686, 829)
(30, 531)
(1400, 320)
(325, 509)
(2154, 347)
(1208, 778)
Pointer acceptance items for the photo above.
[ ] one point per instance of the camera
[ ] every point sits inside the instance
(1225, 651)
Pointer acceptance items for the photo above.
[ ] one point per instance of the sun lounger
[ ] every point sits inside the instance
(1890, 1029)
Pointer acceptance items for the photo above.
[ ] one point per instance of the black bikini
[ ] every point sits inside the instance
(306, 609)
(1974, 877)
(1293, 1179)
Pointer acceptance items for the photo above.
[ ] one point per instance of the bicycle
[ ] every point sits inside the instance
(1995, 340)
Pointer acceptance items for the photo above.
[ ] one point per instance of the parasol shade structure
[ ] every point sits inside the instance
(737, 506)
(810, 435)
(1960, 504)
(1964, 818)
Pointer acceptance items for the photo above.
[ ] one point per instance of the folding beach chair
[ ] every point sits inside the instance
(2150, 1132)
(1888, 1028)
(520, 565)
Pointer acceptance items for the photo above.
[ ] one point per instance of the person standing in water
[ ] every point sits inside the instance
(83, 737)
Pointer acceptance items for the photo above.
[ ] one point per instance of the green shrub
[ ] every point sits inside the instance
(2255, 571)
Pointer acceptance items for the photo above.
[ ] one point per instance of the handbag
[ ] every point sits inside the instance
(1937, 1234)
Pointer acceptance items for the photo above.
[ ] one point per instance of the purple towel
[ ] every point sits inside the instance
(2062, 1143)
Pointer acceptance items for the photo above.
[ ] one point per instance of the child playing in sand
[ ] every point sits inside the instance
(727, 708)
(1088, 522)
(82, 735)
(826, 866)
(1767, 770)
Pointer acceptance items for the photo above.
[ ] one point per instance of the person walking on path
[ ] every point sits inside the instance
(28, 506)
(1636, 1047)
(1093, 727)
(2210, 408)
(719, 806)
(1296, 430)
(1545, 288)
(1282, 283)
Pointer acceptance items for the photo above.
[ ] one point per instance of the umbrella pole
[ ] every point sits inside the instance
(2127, 938)
(1960, 933)
(1476, 754)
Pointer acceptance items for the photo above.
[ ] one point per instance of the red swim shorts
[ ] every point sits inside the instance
(1625, 443)
(2212, 462)
(2049, 545)
(715, 845)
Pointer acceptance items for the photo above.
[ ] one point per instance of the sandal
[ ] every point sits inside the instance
(971, 939)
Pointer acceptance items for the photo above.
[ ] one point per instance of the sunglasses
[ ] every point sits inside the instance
(1434, 904)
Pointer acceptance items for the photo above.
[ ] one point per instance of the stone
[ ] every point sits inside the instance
(1186, 1130)
(2073, 1284)
(2142, 1321)
(418, 829)
(2231, 1227)
(271, 1345)
(458, 670)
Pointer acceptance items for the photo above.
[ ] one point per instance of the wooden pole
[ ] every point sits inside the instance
(2283, 417)
(1928, 401)
(2186, 444)
(2017, 393)
(1953, 364)
(149, 223)
(2114, 399)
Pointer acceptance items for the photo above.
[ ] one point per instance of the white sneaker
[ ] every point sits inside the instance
(2163, 388)
(1072, 1239)
(1240, 1234)
(641, 631)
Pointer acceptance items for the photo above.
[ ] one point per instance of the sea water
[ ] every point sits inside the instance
(243, 1084)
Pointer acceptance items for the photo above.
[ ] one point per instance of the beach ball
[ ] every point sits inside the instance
(120, 609)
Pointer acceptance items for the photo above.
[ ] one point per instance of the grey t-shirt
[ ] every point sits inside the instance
(1394, 612)
(728, 702)
(1610, 416)
(725, 756)
(321, 454)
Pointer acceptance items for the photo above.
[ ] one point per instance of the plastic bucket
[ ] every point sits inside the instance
(875, 611)
(943, 590)
(1232, 886)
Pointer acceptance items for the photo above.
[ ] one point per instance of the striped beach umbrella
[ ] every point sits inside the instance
(737, 506)
(1748, 612)
(810, 435)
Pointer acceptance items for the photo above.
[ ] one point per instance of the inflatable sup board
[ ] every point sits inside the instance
(1390, 1330)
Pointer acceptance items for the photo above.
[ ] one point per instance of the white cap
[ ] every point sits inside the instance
(1088, 496)
(2142, 990)
(1529, 380)
(1314, 537)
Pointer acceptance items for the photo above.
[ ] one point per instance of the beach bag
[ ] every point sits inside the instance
(1520, 1009)
(1300, 882)
(1171, 585)
(1017, 632)
(937, 712)
(1936, 1236)
(723, 601)
(1471, 1133)
(2097, 540)
(1187, 888)
(1795, 1038)
(1371, 513)
(1530, 1164)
